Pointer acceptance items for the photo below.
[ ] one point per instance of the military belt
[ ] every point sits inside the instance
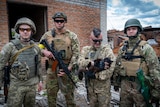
(130, 78)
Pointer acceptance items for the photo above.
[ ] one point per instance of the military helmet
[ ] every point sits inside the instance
(60, 15)
(133, 22)
(27, 21)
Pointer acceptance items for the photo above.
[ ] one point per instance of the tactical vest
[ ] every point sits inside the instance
(62, 44)
(131, 66)
(25, 66)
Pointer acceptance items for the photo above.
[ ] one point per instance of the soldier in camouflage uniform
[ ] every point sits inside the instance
(66, 41)
(23, 56)
(142, 56)
(99, 82)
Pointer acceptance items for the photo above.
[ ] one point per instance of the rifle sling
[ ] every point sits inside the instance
(135, 46)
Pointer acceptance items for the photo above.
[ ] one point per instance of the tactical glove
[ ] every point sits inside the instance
(80, 75)
(101, 63)
(108, 60)
(116, 88)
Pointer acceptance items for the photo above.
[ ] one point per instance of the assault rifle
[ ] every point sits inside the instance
(144, 88)
(90, 71)
(6, 81)
(99, 65)
(58, 58)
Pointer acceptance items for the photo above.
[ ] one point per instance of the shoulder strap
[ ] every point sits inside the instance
(53, 32)
(135, 46)
(17, 43)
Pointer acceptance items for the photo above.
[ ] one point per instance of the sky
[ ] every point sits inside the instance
(119, 11)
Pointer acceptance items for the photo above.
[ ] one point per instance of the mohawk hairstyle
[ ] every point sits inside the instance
(96, 32)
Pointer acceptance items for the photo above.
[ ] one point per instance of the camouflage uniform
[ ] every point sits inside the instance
(24, 74)
(130, 87)
(67, 41)
(99, 88)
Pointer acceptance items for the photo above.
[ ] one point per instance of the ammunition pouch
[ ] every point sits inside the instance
(20, 71)
(131, 67)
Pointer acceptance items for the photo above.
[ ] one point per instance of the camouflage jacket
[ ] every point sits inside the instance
(73, 44)
(6, 57)
(149, 57)
(88, 54)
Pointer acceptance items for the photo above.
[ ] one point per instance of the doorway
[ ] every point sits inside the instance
(38, 14)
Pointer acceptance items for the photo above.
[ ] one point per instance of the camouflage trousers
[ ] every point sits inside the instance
(129, 95)
(21, 95)
(102, 97)
(53, 86)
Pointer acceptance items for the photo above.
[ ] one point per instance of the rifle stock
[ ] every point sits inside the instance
(59, 59)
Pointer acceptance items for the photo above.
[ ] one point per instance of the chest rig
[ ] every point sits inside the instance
(62, 44)
(131, 59)
(25, 65)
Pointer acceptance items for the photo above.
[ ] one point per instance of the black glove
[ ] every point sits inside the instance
(99, 64)
(116, 88)
(90, 74)
(80, 75)
(108, 60)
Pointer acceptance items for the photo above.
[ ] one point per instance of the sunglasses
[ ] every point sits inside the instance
(57, 21)
(25, 29)
(97, 40)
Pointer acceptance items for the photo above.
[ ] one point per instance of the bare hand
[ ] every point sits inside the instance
(48, 54)
(69, 68)
(61, 73)
(106, 65)
(40, 86)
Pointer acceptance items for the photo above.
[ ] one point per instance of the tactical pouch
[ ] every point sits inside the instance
(20, 70)
(104, 75)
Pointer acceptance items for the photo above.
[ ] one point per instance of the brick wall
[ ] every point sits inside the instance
(4, 38)
(82, 16)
